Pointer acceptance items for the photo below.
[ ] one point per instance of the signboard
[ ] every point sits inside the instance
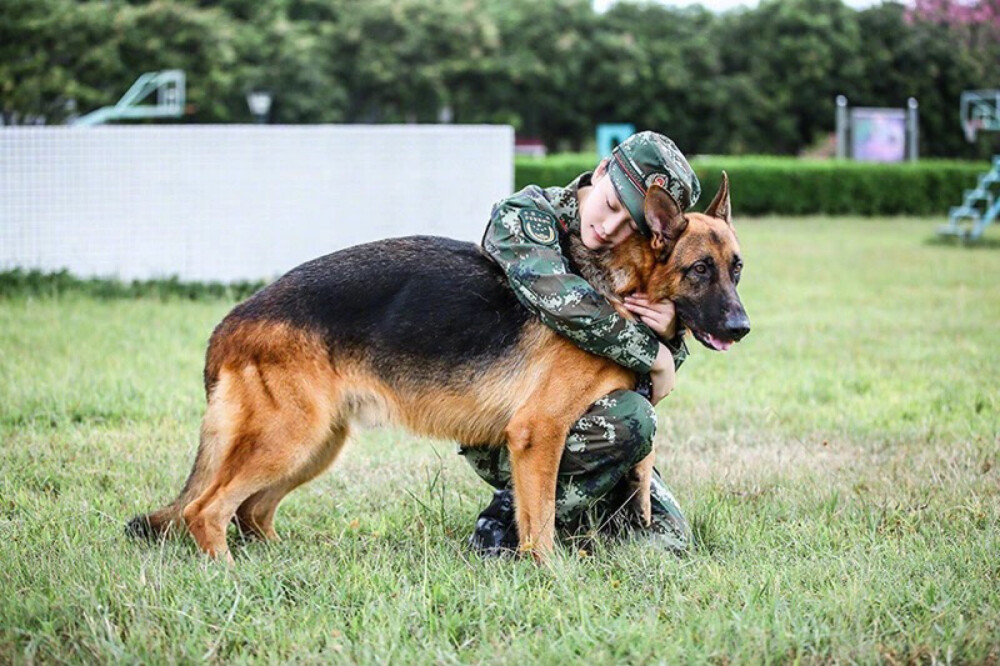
(878, 135)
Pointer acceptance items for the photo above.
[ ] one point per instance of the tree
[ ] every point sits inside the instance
(662, 71)
(172, 35)
(399, 58)
(907, 56)
(757, 80)
(290, 59)
(799, 54)
(54, 54)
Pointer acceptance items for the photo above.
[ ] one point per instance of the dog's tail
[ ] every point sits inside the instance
(168, 519)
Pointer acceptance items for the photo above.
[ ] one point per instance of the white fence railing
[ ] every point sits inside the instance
(229, 202)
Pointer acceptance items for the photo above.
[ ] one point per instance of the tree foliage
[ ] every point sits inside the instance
(748, 81)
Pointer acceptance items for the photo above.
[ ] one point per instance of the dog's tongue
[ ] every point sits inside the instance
(717, 344)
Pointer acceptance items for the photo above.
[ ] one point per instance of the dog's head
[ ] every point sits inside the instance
(694, 260)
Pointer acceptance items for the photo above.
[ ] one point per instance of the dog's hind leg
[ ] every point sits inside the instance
(252, 520)
(168, 519)
(255, 517)
(276, 432)
(254, 463)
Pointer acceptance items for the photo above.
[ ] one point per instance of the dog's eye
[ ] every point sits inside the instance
(701, 269)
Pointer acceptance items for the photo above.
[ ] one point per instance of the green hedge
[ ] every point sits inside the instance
(35, 283)
(789, 186)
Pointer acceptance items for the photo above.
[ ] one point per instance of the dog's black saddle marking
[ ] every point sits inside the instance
(412, 306)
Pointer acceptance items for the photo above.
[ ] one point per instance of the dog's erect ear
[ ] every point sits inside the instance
(665, 219)
(720, 204)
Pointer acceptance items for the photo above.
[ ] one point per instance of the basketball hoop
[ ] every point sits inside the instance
(979, 112)
(169, 85)
(970, 127)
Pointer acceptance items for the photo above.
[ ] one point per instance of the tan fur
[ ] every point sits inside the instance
(640, 479)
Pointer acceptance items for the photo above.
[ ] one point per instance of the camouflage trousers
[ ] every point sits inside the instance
(602, 446)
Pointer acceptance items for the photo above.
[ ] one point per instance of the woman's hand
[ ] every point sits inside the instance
(662, 374)
(658, 315)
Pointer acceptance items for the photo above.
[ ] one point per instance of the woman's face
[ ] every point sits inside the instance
(604, 221)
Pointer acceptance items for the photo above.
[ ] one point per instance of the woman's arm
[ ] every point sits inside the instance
(523, 241)
(661, 318)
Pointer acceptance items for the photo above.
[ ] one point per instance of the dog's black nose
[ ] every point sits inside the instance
(737, 327)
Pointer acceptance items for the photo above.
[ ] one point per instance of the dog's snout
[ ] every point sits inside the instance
(738, 326)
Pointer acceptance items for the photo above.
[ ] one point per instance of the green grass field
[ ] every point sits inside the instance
(841, 468)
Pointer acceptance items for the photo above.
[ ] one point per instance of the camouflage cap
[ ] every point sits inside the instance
(647, 158)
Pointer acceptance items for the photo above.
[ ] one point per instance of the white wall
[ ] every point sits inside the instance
(229, 202)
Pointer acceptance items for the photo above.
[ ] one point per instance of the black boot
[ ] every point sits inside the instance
(496, 530)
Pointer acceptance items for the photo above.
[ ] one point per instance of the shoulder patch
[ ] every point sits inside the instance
(539, 226)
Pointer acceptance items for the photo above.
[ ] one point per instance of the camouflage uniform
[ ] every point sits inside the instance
(523, 238)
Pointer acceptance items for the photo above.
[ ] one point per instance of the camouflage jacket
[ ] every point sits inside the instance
(523, 238)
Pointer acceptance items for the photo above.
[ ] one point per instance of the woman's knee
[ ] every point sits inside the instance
(491, 463)
(635, 423)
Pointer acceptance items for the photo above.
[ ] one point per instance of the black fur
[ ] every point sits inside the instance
(419, 306)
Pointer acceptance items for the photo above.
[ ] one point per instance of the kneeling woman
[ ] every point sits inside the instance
(528, 236)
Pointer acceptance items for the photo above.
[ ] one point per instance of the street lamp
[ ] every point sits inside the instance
(259, 102)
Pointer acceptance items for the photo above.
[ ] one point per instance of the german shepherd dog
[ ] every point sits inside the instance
(425, 332)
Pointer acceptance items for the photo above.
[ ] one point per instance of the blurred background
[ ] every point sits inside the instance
(812, 106)
(719, 78)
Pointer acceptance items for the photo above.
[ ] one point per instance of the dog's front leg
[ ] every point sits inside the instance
(639, 479)
(535, 451)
